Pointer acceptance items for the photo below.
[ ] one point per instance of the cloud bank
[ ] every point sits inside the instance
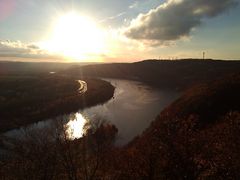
(174, 19)
(18, 49)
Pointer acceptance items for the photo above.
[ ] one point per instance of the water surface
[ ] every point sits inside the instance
(133, 107)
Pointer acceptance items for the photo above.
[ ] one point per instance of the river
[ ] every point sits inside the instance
(133, 107)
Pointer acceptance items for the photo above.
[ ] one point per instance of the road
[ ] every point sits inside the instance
(83, 86)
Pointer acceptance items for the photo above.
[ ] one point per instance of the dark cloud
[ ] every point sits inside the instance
(174, 20)
(33, 46)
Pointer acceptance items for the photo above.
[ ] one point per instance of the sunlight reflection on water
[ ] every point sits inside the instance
(75, 127)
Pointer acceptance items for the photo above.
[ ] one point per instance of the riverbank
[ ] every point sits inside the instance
(25, 100)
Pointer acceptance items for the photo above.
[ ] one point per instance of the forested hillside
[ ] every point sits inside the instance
(27, 99)
(178, 74)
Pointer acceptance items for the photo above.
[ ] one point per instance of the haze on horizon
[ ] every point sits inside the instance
(114, 31)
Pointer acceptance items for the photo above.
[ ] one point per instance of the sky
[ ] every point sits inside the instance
(118, 31)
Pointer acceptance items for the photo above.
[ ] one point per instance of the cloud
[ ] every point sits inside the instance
(112, 17)
(33, 46)
(134, 5)
(174, 20)
(18, 49)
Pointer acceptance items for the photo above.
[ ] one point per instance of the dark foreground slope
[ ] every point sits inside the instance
(198, 136)
(27, 99)
(178, 74)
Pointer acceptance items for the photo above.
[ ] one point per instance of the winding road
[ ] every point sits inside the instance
(83, 86)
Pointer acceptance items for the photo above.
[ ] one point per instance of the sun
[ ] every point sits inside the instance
(76, 36)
